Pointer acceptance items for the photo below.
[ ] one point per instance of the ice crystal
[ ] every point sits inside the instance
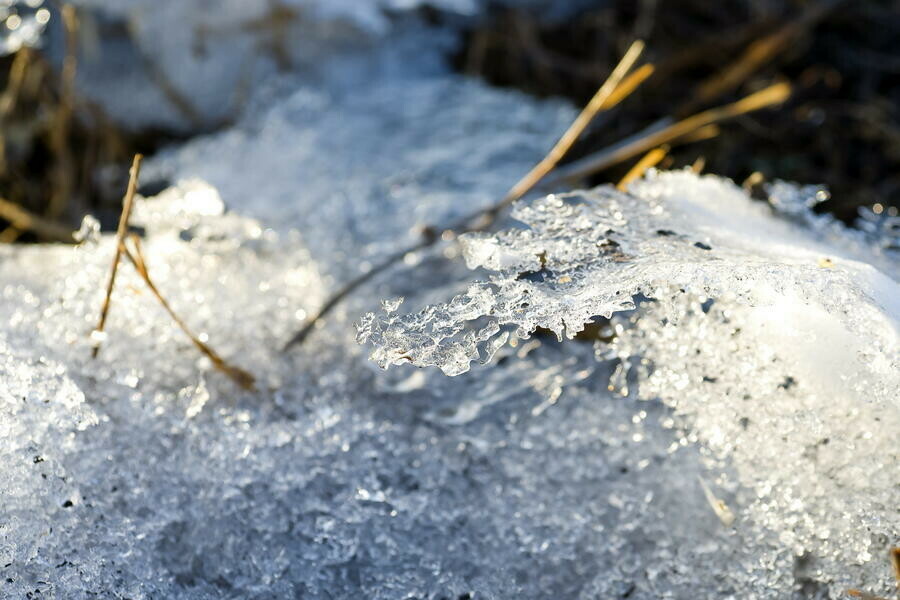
(588, 254)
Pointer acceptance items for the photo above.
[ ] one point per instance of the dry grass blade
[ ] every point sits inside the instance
(704, 133)
(615, 89)
(698, 165)
(62, 119)
(865, 596)
(22, 220)
(241, 377)
(604, 99)
(895, 562)
(761, 52)
(127, 205)
(651, 159)
(774, 94)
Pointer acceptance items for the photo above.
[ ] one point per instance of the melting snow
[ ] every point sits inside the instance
(734, 436)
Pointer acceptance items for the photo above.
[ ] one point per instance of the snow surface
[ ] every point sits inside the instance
(734, 437)
(194, 66)
(776, 343)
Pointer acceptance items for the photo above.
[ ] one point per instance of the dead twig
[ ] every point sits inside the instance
(127, 204)
(241, 377)
(616, 88)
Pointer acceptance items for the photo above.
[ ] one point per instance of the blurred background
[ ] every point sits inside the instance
(85, 85)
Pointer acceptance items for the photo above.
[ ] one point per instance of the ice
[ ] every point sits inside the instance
(776, 340)
(590, 253)
(147, 474)
(734, 439)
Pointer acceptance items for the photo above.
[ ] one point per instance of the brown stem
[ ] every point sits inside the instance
(127, 205)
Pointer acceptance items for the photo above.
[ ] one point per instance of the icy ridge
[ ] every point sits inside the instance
(589, 253)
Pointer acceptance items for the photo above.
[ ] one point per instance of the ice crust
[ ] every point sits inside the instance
(752, 353)
(590, 253)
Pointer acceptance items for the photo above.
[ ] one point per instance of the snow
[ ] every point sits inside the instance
(775, 339)
(732, 437)
(202, 64)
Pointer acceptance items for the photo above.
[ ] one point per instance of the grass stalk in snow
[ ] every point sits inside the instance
(127, 205)
(21, 220)
(618, 86)
(651, 159)
(241, 377)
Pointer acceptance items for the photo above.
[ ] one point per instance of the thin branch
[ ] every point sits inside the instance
(615, 89)
(127, 204)
(241, 377)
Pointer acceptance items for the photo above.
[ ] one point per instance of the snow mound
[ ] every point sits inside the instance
(590, 253)
(146, 474)
(773, 334)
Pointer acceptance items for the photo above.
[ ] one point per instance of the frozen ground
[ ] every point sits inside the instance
(735, 437)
